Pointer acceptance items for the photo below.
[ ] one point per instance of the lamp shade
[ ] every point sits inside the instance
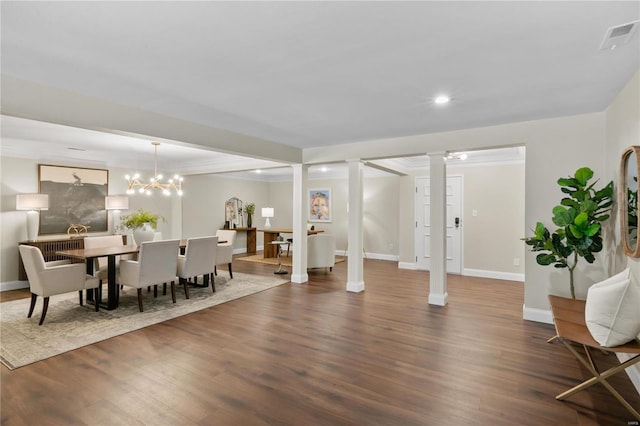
(32, 202)
(116, 202)
(267, 212)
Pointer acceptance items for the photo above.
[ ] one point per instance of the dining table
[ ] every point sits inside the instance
(111, 253)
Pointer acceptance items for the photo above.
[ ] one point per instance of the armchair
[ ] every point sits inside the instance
(50, 278)
(321, 251)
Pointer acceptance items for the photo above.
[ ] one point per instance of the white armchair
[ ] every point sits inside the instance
(50, 278)
(198, 259)
(321, 251)
(224, 252)
(157, 264)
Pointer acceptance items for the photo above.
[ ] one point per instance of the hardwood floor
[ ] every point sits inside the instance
(313, 354)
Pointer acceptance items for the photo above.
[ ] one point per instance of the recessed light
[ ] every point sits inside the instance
(442, 99)
(258, 171)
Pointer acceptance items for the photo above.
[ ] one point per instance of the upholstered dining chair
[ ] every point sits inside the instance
(157, 264)
(224, 253)
(321, 251)
(47, 279)
(198, 259)
(100, 265)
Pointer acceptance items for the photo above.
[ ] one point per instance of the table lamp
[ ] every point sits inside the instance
(116, 203)
(33, 203)
(268, 213)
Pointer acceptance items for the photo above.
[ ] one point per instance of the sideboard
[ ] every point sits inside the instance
(49, 248)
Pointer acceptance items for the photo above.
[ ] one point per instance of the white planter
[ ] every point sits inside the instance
(145, 233)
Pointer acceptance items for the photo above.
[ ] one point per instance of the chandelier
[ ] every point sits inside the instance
(155, 183)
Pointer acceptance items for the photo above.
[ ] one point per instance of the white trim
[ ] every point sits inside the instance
(509, 276)
(408, 265)
(633, 372)
(537, 315)
(355, 287)
(438, 299)
(13, 285)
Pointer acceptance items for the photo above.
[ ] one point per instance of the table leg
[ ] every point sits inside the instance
(89, 266)
(112, 287)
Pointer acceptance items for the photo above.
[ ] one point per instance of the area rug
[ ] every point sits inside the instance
(286, 260)
(70, 326)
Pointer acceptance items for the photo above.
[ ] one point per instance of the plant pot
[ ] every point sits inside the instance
(145, 233)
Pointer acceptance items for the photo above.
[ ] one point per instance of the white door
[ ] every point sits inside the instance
(454, 224)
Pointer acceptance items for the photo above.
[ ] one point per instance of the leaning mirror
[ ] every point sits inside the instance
(628, 200)
(233, 213)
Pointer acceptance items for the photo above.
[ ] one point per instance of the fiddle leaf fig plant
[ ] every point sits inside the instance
(579, 219)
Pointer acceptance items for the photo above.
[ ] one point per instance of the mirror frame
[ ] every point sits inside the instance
(623, 201)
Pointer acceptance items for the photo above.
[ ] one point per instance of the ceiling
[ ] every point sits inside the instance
(310, 74)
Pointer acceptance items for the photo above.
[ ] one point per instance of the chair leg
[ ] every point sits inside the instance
(155, 291)
(184, 282)
(213, 283)
(230, 271)
(173, 291)
(80, 297)
(164, 289)
(96, 297)
(33, 304)
(215, 270)
(44, 310)
(140, 299)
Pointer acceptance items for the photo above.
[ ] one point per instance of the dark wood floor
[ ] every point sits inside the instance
(314, 354)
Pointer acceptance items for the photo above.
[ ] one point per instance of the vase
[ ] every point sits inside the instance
(249, 221)
(144, 233)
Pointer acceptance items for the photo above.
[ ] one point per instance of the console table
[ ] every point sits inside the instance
(251, 238)
(49, 249)
(271, 234)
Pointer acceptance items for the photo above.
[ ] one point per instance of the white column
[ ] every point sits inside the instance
(438, 273)
(355, 274)
(300, 209)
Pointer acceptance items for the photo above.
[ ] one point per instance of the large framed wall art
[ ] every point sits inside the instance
(76, 197)
(320, 205)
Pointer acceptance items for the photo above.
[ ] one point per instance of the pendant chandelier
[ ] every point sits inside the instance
(155, 183)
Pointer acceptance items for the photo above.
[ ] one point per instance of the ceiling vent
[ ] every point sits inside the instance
(619, 35)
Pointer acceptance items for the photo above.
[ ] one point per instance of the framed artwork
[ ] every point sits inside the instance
(320, 205)
(233, 213)
(76, 197)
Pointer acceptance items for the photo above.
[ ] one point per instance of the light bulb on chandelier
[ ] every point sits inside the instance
(155, 182)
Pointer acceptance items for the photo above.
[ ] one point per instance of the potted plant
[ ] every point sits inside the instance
(250, 209)
(143, 223)
(579, 218)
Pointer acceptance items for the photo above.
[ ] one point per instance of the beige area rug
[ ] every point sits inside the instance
(70, 326)
(286, 260)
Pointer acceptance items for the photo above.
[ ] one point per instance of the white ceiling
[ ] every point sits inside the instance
(311, 74)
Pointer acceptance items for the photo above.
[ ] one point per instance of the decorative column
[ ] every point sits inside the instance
(355, 273)
(300, 210)
(438, 273)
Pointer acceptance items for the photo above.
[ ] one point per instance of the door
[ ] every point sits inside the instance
(454, 224)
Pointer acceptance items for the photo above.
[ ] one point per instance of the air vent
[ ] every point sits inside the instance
(619, 35)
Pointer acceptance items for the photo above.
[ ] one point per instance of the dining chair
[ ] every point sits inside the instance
(47, 279)
(157, 264)
(224, 252)
(198, 259)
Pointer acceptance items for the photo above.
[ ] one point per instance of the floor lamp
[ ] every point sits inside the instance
(116, 203)
(33, 203)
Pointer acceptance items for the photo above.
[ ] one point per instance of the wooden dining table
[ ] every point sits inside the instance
(88, 255)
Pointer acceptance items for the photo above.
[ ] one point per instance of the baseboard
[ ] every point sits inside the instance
(493, 274)
(13, 285)
(438, 299)
(408, 265)
(537, 315)
(633, 372)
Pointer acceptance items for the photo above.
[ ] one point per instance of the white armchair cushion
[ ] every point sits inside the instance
(157, 263)
(199, 257)
(612, 311)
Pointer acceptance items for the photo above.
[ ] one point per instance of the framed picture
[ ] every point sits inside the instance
(76, 197)
(320, 205)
